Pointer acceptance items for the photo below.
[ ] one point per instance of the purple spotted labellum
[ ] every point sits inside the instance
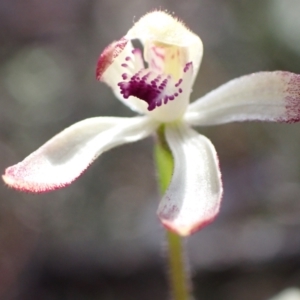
(160, 92)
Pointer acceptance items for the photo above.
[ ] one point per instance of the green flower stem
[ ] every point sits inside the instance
(179, 275)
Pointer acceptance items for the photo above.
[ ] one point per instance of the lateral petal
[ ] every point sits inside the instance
(63, 158)
(263, 96)
(193, 197)
(117, 61)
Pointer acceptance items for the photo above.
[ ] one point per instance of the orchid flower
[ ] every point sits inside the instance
(157, 84)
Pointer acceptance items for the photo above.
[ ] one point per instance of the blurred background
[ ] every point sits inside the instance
(100, 237)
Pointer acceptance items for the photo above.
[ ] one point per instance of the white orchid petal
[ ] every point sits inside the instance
(117, 61)
(194, 195)
(161, 27)
(264, 96)
(63, 158)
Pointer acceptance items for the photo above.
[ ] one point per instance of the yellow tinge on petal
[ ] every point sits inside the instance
(161, 29)
(168, 59)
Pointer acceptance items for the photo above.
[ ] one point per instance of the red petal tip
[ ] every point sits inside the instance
(108, 55)
(14, 177)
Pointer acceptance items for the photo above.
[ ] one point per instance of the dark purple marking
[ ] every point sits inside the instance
(152, 87)
(127, 58)
(147, 86)
(124, 65)
(187, 66)
(179, 82)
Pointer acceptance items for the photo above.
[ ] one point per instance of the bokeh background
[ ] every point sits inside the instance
(100, 238)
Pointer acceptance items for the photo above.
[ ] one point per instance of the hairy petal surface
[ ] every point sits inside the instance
(263, 96)
(194, 195)
(160, 28)
(63, 158)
